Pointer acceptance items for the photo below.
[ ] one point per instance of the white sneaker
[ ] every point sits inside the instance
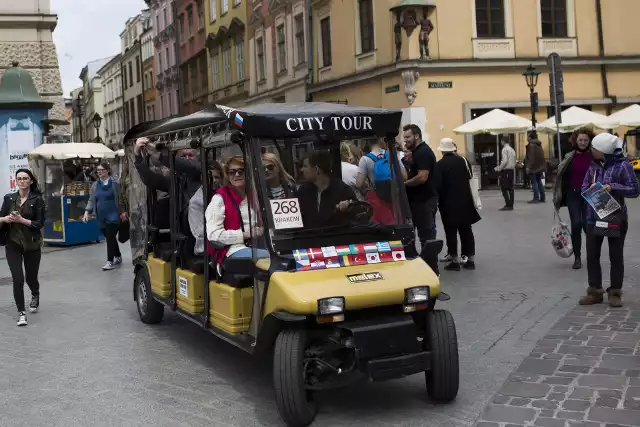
(22, 319)
(464, 259)
(117, 260)
(108, 266)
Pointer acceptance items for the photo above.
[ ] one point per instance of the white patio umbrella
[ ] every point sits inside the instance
(574, 118)
(74, 150)
(495, 122)
(629, 116)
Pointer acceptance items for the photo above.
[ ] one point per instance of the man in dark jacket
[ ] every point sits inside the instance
(536, 165)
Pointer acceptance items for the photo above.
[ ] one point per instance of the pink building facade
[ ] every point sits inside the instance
(168, 99)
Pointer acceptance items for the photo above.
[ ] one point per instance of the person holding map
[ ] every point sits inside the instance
(609, 181)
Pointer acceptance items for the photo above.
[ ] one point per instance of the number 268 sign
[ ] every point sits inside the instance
(286, 213)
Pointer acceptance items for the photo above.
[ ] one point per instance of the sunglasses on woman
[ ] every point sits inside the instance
(268, 167)
(236, 172)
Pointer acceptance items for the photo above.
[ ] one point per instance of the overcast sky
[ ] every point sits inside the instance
(88, 30)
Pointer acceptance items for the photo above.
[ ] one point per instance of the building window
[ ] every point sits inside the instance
(185, 80)
(282, 49)
(159, 66)
(193, 76)
(164, 17)
(137, 69)
(325, 37)
(365, 12)
(213, 10)
(226, 65)
(240, 59)
(190, 20)
(200, 15)
(169, 104)
(182, 33)
(215, 71)
(140, 109)
(225, 6)
(162, 106)
(299, 29)
(236, 3)
(260, 58)
(490, 18)
(130, 75)
(203, 74)
(553, 14)
(167, 57)
(157, 24)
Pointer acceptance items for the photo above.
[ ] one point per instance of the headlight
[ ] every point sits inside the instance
(416, 295)
(333, 305)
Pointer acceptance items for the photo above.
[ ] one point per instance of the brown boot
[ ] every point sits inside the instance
(615, 297)
(593, 296)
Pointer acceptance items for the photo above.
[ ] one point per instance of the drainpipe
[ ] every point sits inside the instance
(603, 67)
(309, 50)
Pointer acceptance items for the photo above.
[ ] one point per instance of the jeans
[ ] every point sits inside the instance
(536, 185)
(577, 207)
(467, 240)
(506, 183)
(110, 234)
(616, 257)
(16, 256)
(248, 253)
(424, 218)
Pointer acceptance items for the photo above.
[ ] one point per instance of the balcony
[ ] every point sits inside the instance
(565, 46)
(486, 48)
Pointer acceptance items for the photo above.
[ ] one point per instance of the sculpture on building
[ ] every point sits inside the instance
(410, 77)
(426, 27)
(409, 21)
(397, 31)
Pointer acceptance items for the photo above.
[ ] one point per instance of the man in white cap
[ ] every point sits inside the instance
(614, 173)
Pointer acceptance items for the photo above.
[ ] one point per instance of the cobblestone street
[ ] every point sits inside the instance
(529, 355)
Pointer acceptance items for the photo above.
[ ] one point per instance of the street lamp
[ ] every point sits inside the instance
(531, 76)
(97, 120)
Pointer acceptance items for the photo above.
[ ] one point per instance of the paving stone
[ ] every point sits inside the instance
(500, 399)
(582, 393)
(549, 422)
(566, 374)
(486, 424)
(560, 389)
(615, 361)
(593, 333)
(602, 381)
(508, 414)
(583, 424)
(606, 371)
(547, 413)
(524, 377)
(616, 394)
(553, 356)
(576, 405)
(634, 381)
(519, 401)
(632, 373)
(558, 397)
(537, 366)
(570, 415)
(574, 368)
(514, 425)
(618, 351)
(558, 380)
(632, 399)
(518, 389)
(580, 350)
(607, 402)
(596, 327)
(544, 404)
(614, 416)
(583, 361)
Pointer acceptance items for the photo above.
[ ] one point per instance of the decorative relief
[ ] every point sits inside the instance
(563, 46)
(493, 48)
(29, 55)
(410, 78)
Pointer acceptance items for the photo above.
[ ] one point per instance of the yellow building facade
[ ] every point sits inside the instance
(367, 52)
(227, 45)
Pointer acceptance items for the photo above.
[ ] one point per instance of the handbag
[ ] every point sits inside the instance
(561, 238)
(124, 232)
(473, 184)
(609, 226)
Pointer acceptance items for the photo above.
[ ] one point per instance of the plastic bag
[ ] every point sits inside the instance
(561, 238)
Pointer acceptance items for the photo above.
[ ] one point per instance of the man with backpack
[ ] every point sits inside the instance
(374, 178)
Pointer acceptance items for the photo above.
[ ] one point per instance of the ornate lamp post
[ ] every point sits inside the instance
(97, 120)
(531, 76)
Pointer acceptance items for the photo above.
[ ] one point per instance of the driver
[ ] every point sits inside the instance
(322, 196)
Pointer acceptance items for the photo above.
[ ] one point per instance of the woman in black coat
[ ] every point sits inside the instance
(21, 219)
(457, 207)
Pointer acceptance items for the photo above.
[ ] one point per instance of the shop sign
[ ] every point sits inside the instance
(440, 85)
(392, 89)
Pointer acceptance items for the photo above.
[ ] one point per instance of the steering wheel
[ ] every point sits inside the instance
(359, 212)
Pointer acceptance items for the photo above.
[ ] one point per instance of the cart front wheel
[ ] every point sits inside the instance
(443, 376)
(149, 310)
(295, 403)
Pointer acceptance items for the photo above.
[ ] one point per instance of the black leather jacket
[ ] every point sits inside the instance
(34, 209)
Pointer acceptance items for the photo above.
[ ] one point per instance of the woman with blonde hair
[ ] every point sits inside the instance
(348, 164)
(281, 184)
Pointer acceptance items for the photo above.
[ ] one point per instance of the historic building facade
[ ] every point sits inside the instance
(166, 57)
(111, 76)
(26, 38)
(92, 99)
(148, 72)
(227, 45)
(193, 54)
(460, 58)
(278, 46)
(131, 62)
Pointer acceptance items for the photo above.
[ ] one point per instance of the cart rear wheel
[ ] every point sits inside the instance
(149, 310)
(443, 376)
(295, 403)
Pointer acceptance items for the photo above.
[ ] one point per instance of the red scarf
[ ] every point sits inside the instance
(232, 219)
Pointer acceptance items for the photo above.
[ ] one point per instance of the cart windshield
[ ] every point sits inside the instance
(316, 187)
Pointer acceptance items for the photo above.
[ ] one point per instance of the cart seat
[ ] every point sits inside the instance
(233, 272)
(195, 264)
(164, 251)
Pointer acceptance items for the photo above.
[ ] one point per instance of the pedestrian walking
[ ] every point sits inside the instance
(507, 168)
(106, 203)
(616, 174)
(457, 208)
(421, 186)
(567, 190)
(535, 166)
(21, 220)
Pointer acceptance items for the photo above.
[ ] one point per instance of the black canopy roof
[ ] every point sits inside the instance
(281, 120)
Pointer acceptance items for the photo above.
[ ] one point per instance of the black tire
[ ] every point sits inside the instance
(443, 376)
(149, 310)
(295, 404)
